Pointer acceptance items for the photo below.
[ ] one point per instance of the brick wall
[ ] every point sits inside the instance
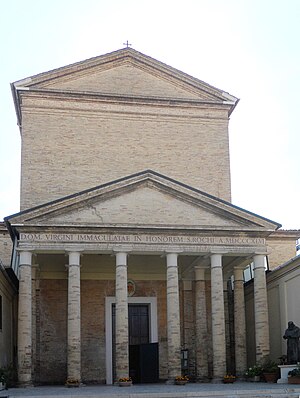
(51, 361)
(52, 332)
(70, 145)
(281, 247)
(5, 245)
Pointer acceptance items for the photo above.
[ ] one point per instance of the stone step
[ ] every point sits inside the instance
(190, 390)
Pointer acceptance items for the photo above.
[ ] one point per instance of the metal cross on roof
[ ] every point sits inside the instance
(127, 44)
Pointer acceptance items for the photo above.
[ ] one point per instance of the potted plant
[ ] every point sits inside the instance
(125, 382)
(253, 373)
(294, 375)
(2, 382)
(181, 380)
(8, 377)
(270, 371)
(229, 378)
(72, 382)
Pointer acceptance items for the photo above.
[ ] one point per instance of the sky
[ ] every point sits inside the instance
(249, 48)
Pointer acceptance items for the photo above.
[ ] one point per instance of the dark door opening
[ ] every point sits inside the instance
(143, 355)
(138, 323)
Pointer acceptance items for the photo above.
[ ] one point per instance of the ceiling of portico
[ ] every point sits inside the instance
(140, 267)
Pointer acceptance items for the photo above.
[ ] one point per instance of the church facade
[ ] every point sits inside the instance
(127, 247)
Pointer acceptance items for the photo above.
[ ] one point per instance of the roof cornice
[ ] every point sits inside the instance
(120, 55)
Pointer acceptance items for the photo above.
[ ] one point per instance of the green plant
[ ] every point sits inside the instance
(295, 371)
(8, 375)
(283, 360)
(125, 379)
(229, 376)
(72, 382)
(270, 367)
(181, 378)
(255, 370)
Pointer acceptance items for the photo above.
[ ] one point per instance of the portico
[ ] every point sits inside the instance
(84, 256)
(206, 266)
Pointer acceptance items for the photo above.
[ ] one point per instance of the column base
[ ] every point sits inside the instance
(25, 384)
(170, 381)
(203, 379)
(217, 380)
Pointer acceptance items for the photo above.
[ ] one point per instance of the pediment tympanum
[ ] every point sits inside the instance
(146, 199)
(128, 73)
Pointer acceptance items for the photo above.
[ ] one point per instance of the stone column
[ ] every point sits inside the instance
(35, 311)
(74, 324)
(261, 315)
(239, 322)
(201, 325)
(173, 317)
(25, 320)
(218, 320)
(122, 338)
(229, 362)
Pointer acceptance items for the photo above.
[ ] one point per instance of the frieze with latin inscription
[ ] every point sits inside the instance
(141, 238)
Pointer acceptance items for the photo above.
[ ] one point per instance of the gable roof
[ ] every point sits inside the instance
(145, 200)
(90, 77)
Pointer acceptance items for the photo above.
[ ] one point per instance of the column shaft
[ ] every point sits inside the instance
(34, 284)
(201, 325)
(239, 322)
(173, 317)
(122, 342)
(218, 320)
(261, 310)
(25, 320)
(74, 324)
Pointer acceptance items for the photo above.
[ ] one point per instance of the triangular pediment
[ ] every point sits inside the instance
(126, 72)
(143, 200)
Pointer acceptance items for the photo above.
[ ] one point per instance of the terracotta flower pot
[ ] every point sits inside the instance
(125, 383)
(180, 382)
(228, 380)
(294, 379)
(270, 377)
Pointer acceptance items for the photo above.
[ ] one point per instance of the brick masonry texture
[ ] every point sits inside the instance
(72, 144)
(280, 251)
(52, 327)
(5, 245)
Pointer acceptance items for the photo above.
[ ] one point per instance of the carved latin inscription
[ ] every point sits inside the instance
(141, 238)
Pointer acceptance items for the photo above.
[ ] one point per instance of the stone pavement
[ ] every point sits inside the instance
(190, 390)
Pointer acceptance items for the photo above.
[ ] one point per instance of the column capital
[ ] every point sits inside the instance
(200, 273)
(74, 258)
(187, 285)
(259, 261)
(172, 259)
(25, 258)
(238, 273)
(121, 258)
(216, 260)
